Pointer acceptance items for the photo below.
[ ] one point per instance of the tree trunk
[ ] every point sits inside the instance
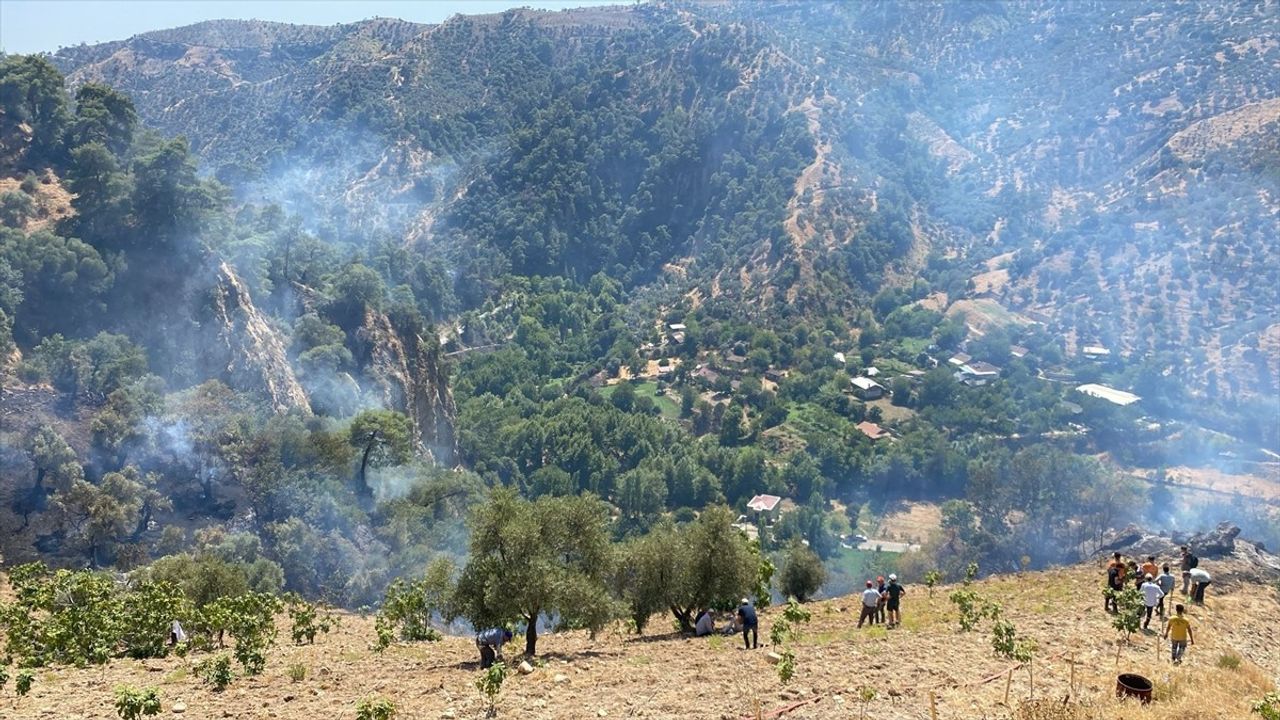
(531, 635)
(684, 617)
(362, 486)
(144, 519)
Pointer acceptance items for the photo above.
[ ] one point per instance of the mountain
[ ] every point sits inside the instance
(789, 158)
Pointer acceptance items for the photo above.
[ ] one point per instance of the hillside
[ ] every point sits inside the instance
(863, 146)
(664, 675)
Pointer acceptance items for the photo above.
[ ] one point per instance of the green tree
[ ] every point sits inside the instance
(31, 93)
(383, 438)
(704, 564)
(550, 556)
(802, 572)
(105, 115)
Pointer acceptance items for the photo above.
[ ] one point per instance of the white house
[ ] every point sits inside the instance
(1110, 394)
(866, 388)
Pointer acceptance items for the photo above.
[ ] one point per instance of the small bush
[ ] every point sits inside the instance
(132, 703)
(216, 671)
(22, 683)
(297, 672)
(931, 580)
(375, 709)
(787, 666)
(1229, 661)
(1268, 706)
(490, 686)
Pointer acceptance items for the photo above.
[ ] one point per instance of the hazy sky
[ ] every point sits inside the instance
(34, 25)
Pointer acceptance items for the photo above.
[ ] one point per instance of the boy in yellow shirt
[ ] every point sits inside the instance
(1178, 630)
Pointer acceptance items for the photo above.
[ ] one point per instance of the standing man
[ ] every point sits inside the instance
(1151, 595)
(1149, 567)
(894, 592)
(750, 624)
(1178, 630)
(870, 602)
(490, 643)
(884, 600)
(1115, 583)
(1189, 562)
(1199, 581)
(1165, 581)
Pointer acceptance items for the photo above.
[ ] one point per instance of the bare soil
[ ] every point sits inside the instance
(664, 675)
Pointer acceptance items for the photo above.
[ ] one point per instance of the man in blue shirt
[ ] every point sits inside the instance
(490, 643)
(747, 618)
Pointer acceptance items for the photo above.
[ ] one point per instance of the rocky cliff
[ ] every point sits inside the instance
(408, 374)
(249, 349)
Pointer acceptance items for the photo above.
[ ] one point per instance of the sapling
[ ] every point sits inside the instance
(490, 685)
(866, 694)
(931, 579)
(132, 703)
(375, 709)
(22, 683)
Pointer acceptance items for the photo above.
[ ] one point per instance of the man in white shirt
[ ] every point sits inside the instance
(1199, 581)
(870, 603)
(705, 625)
(1151, 594)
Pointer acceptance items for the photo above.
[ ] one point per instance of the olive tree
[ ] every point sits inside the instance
(706, 563)
(550, 556)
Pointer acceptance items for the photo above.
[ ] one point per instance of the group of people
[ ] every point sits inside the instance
(1156, 583)
(744, 619)
(882, 602)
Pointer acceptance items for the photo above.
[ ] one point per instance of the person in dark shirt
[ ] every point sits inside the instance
(879, 619)
(490, 643)
(747, 618)
(894, 592)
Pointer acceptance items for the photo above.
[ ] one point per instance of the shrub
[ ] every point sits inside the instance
(802, 572)
(787, 666)
(1268, 706)
(22, 683)
(866, 694)
(375, 709)
(297, 672)
(931, 579)
(1006, 643)
(490, 685)
(308, 619)
(216, 671)
(973, 608)
(1229, 661)
(1128, 617)
(132, 703)
(408, 607)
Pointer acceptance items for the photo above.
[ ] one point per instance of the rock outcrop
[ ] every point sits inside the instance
(408, 372)
(1222, 551)
(252, 352)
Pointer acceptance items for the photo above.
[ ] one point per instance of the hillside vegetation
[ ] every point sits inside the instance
(660, 674)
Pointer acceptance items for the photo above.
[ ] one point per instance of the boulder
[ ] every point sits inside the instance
(525, 667)
(1218, 542)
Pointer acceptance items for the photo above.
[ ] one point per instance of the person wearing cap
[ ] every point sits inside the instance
(1200, 580)
(894, 593)
(705, 624)
(870, 602)
(1151, 596)
(750, 624)
(1166, 582)
(490, 643)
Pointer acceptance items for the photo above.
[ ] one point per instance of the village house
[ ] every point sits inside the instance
(1110, 394)
(1018, 351)
(765, 506)
(775, 376)
(1095, 352)
(959, 359)
(977, 373)
(872, 431)
(866, 389)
